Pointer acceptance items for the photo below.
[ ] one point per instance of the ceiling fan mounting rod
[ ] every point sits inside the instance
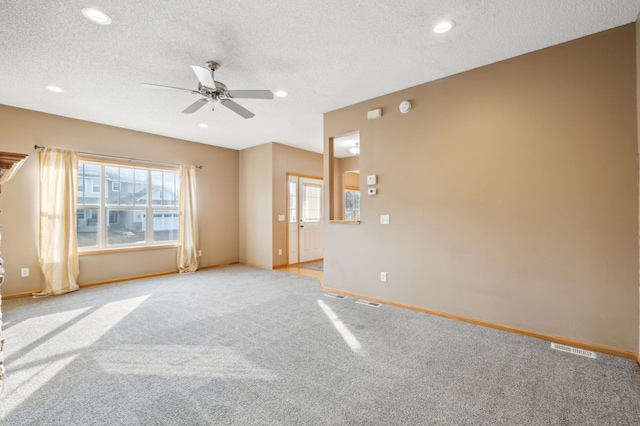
(212, 65)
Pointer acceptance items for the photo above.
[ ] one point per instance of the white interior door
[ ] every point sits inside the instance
(293, 220)
(311, 245)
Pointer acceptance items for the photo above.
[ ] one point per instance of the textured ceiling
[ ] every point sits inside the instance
(326, 55)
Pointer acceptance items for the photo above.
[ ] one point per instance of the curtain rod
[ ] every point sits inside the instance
(40, 148)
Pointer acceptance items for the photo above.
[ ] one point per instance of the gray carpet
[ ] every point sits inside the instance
(244, 346)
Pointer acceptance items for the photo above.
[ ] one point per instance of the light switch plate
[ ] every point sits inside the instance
(281, 217)
(372, 179)
(384, 219)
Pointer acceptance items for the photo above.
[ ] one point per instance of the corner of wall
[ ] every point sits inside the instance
(256, 169)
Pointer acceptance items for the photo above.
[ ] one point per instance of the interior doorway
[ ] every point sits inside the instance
(305, 233)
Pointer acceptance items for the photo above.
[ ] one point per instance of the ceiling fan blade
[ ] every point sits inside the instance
(195, 106)
(205, 76)
(237, 108)
(251, 94)
(157, 86)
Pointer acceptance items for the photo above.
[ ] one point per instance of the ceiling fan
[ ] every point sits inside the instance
(214, 91)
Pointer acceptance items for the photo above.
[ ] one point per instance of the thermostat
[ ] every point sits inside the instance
(373, 191)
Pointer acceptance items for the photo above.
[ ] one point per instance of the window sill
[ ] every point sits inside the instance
(125, 249)
(344, 222)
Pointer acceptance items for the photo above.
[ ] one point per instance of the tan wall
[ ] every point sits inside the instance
(512, 192)
(287, 159)
(351, 179)
(256, 206)
(217, 184)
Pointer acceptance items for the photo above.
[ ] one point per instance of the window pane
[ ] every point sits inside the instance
(88, 183)
(348, 200)
(171, 197)
(351, 204)
(293, 202)
(112, 182)
(311, 205)
(165, 225)
(141, 187)
(156, 188)
(126, 226)
(126, 186)
(80, 183)
(87, 227)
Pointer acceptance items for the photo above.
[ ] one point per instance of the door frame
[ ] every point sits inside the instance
(298, 176)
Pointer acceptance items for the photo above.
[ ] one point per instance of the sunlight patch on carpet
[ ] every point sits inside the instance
(348, 337)
(178, 361)
(57, 346)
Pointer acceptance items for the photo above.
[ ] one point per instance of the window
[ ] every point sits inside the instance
(312, 202)
(293, 202)
(351, 204)
(123, 216)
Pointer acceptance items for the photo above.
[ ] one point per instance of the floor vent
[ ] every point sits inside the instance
(572, 350)
(366, 302)
(335, 296)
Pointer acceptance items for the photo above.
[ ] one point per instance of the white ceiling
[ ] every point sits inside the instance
(326, 54)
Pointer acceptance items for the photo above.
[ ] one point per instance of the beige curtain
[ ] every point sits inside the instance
(58, 243)
(188, 244)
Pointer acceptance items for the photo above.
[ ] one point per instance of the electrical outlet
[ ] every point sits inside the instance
(279, 252)
(24, 272)
(383, 277)
(199, 253)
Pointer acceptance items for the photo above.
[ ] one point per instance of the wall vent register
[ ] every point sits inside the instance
(572, 350)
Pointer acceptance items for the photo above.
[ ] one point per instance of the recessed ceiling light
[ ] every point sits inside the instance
(96, 15)
(55, 89)
(443, 26)
(281, 93)
(203, 125)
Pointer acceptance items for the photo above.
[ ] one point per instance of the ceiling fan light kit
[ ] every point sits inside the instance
(355, 150)
(215, 91)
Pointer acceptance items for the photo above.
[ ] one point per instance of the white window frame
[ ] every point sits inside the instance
(149, 209)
